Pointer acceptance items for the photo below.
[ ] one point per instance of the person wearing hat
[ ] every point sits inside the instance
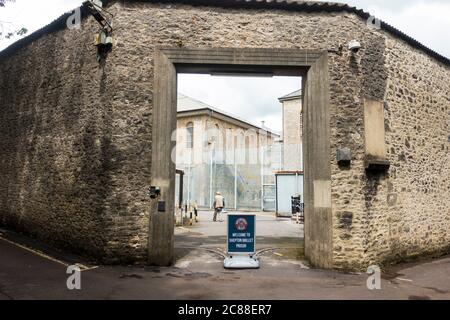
(219, 203)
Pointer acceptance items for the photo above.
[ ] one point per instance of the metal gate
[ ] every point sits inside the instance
(288, 185)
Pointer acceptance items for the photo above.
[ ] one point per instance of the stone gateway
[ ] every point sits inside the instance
(82, 141)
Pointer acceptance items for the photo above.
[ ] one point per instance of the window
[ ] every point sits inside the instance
(247, 150)
(190, 135)
(217, 134)
(218, 144)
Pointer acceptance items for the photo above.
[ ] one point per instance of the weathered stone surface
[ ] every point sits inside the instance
(68, 165)
(77, 139)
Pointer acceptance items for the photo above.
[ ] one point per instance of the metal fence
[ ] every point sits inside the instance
(244, 186)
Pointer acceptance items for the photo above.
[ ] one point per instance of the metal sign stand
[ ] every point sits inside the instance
(241, 262)
(241, 242)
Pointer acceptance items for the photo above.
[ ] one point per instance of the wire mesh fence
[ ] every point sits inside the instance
(244, 186)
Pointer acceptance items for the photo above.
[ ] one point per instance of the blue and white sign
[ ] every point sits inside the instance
(241, 234)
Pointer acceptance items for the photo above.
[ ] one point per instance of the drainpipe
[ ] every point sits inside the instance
(211, 176)
(261, 150)
(189, 180)
(281, 156)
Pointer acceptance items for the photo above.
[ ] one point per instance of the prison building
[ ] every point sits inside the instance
(218, 151)
(292, 135)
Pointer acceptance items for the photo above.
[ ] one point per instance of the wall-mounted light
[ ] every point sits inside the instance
(103, 40)
(104, 43)
(97, 3)
(354, 46)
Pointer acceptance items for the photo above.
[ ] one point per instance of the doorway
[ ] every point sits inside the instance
(312, 66)
(235, 133)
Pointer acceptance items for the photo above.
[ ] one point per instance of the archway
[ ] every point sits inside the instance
(313, 67)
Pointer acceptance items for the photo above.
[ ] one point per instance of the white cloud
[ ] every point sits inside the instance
(253, 99)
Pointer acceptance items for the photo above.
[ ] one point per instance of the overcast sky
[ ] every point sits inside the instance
(253, 99)
(428, 21)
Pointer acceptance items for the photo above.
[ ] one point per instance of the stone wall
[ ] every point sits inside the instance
(74, 161)
(389, 217)
(76, 138)
(410, 206)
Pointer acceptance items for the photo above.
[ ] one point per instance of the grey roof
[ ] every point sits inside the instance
(292, 5)
(186, 104)
(291, 96)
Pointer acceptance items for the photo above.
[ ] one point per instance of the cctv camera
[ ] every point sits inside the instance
(354, 46)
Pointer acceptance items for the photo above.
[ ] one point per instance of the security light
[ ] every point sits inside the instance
(354, 46)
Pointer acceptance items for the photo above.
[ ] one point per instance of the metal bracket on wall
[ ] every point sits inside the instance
(154, 192)
(377, 165)
(95, 8)
(104, 40)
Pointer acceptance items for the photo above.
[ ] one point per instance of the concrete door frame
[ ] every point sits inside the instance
(312, 65)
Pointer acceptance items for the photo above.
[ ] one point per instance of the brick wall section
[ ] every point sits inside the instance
(77, 151)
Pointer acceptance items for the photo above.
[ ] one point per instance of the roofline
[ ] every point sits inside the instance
(289, 97)
(60, 22)
(211, 112)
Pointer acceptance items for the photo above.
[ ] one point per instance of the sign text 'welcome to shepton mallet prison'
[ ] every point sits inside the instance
(241, 234)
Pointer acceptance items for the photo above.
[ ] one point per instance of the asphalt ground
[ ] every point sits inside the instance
(32, 270)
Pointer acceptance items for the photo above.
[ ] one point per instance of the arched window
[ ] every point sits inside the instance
(247, 150)
(218, 144)
(190, 135)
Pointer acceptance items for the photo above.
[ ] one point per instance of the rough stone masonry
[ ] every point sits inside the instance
(76, 137)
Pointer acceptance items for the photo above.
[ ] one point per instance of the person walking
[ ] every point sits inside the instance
(219, 203)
